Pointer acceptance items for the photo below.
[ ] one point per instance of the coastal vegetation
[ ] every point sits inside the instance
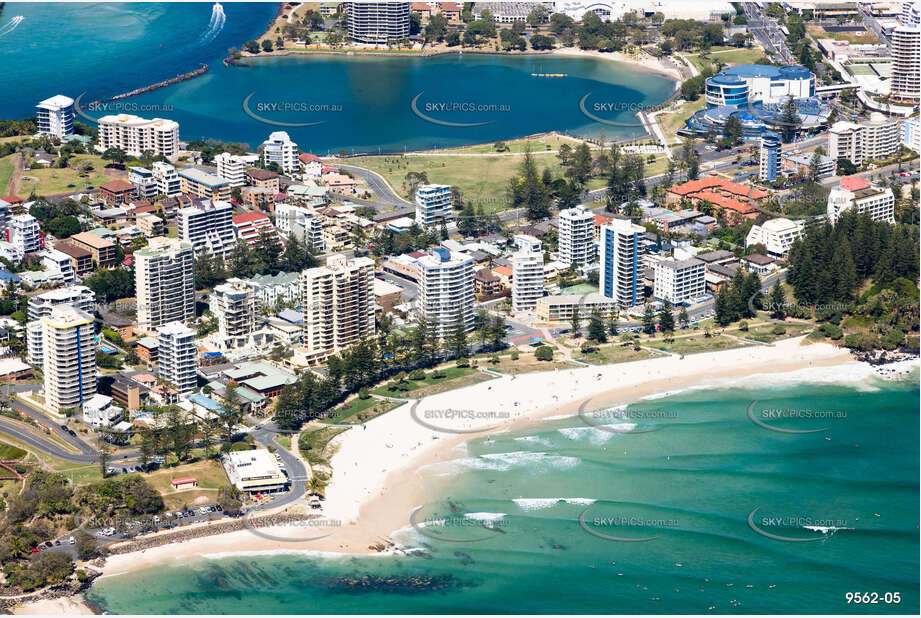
(857, 275)
(371, 361)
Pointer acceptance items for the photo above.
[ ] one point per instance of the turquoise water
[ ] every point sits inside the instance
(359, 104)
(691, 482)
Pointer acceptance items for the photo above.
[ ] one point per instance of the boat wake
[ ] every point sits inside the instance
(218, 19)
(11, 25)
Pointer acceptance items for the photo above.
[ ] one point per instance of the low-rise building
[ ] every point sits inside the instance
(265, 179)
(102, 250)
(679, 281)
(254, 471)
(560, 307)
(855, 192)
(777, 235)
(202, 184)
(117, 192)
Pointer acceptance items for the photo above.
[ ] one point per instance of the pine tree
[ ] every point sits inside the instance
(778, 302)
(575, 320)
(596, 330)
(649, 321)
(458, 338)
(666, 317)
(683, 318)
(612, 322)
(721, 309)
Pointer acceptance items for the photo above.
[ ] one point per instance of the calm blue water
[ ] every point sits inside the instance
(363, 104)
(691, 483)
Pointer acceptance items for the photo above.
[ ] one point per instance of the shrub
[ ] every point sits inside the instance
(514, 355)
(743, 326)
(544, 353)
(363, 393)
(417, 374)
(779, 329)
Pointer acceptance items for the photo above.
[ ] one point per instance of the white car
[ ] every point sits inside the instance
(203, 510)
(71, 540)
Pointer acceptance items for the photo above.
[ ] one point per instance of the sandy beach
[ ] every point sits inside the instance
(647, 62)
(376, 480)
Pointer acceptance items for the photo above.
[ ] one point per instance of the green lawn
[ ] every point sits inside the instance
(6, 172)
(860, 69)
(696, 344)
(671, 122)
(483, 180)
(8, 451)
(53, 181)
(616, 353)
(313, 444)
(726, 55)
(455, 377)
(766, 334)
(358, 410)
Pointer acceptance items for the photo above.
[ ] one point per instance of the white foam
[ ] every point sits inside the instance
(484, 516)
(502, 462)
(535, 440)
(535, 504)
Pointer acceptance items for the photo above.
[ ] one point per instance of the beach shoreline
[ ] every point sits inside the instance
(378, 470)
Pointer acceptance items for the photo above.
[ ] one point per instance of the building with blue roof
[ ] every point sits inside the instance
(755, 94)
(759, 83)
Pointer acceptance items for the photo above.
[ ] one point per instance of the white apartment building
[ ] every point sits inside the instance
(55, 116)
(281, 150)
(164, 282)
(134, 135)
(777, 235)
(231, 168)
(145, 181)
(877, 139)
(527, 280)
(679, 281)
(234, 305)
(527, 243)
(78, 296)
(338, 305)
(301, 223)
(168, 181)
(911, 13)
(433, 204)
(209, 225)
(68, 357)
(857, 193)
(52, 259)
(176, 357)
(24, 233)
(446, 290)
(620, 277)
(269, 290)
(99, 412)
(911, 134)
(576, 236)
(905, 83)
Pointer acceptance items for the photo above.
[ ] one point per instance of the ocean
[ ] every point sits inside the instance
(327, 104)
(675, 504)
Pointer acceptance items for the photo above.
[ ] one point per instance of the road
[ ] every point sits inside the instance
(379, 186)
(767, 32)
(30, 437)
(265, 435)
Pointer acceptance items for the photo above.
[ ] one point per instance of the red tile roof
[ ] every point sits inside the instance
(854, 183)
(249, 217)
(117, 186)
(726, 203)
(12, 199)
(715, 183)
(307, 157)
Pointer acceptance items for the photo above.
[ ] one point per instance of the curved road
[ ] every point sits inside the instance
(265, 435)
(27, 436)
(377, 184)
